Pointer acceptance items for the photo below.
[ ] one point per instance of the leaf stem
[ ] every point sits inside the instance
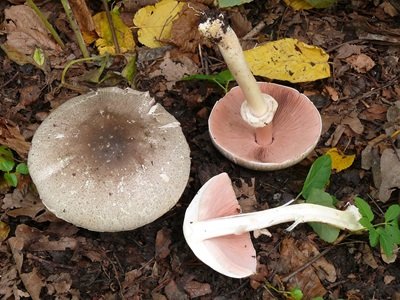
(112, 28)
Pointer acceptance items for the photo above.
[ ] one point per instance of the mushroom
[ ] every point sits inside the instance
(261, 126)
(110, 160)
(219, 235)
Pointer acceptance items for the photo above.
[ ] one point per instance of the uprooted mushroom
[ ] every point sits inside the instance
(218, 233)
(110, 160)
(261, 126)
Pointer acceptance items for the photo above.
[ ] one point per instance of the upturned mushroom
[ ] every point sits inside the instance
(261, 126)
(218, 233)
(110, 160)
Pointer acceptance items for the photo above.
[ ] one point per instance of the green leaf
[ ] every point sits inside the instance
(6, 153)
(296, 294)
(364, 208)
(366, 223)
(386, 241)
(230, 3)
(38, 57)
(6, 165)
(318, 176)
(318, 298)
(321, 3)
(223, 78)
(373, 236)
(11, 179)
(22, 168)
(392, 213)
(393, 230)
(326, 232)
(129, 70)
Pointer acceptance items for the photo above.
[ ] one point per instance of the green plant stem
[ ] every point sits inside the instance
(75, 28)
(75, 61)
(46, 23)
(112, 28)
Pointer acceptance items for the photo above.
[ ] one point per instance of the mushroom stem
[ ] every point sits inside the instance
(299, 213)
(264, 135)
(258, 109)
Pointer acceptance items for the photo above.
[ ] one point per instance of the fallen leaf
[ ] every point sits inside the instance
(389, 9)
(4, 231)
(388, 279)
(184, 33)
(19, 203)
(390, 174)
(33, 283)
(11, 137)
(348, 50)
(163, 241)
(60, 282)
(362, 63)
(8, 280)
(172, 291)
(155, 22)
(354, 123)
(368, 257)
(26, 32)
(340, 161)
(288, 59)
(333, 94)
(246, 194)
(105, 43)
(84, 18)
(298, 4)
(290, 260)
(197, 289)
(230, 3)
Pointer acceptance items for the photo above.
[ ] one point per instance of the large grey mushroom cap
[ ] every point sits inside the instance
(110, 160)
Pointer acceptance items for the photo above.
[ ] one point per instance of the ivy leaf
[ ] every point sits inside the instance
(318, 176)
(364, 209)
(11, 179)
(373, 236)
(22, 168)
(326, 232)
(392, 213)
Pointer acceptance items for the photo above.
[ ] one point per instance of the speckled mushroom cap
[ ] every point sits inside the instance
(110, 160)
(296, 129)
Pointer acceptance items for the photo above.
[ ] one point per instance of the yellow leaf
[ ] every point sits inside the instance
(155, 22)
(4, 231)
(298, 4)
(105, 43)
(288, 59)
(340, 161)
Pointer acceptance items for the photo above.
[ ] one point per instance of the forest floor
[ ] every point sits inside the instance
(43, 257)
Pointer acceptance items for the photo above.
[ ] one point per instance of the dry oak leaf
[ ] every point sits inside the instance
(25, 32)
(390, 172)
(105, 43)
(288, 59)
(362, 63)
(155, 22)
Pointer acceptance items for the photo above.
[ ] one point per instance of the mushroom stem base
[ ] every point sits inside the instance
(264, 135)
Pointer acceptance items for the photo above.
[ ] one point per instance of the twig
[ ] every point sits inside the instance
(46, 23)
(75, 28)
(256, 30)
(112, 28)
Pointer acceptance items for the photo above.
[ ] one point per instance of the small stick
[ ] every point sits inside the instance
(46, 23)
(112, 28)
(75, 28)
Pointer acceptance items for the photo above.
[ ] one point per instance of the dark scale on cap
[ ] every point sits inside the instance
(109, 139)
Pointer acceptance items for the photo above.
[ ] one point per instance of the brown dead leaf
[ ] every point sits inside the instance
(368, 257)
(19, 203)
(239, 23)
(336, 136)
(28, 95)
(174, 292)
(197, 289)
(174, 70)
(61, 283)
(390, 174)
(389, 9)
(184, 33)
(84, 19)
(26, 32)
(375, 111)
(163, 241)
(333, 94)
(259, 278)
(348, 50)
(11, 137)
(59, 245)
(8, 280)
(354, 123)
(307, 280)
(33, 283)
(362, 63)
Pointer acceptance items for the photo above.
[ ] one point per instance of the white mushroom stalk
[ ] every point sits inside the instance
(258, 110)
(240, 223)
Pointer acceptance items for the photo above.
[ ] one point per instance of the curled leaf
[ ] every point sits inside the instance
(340, 161)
